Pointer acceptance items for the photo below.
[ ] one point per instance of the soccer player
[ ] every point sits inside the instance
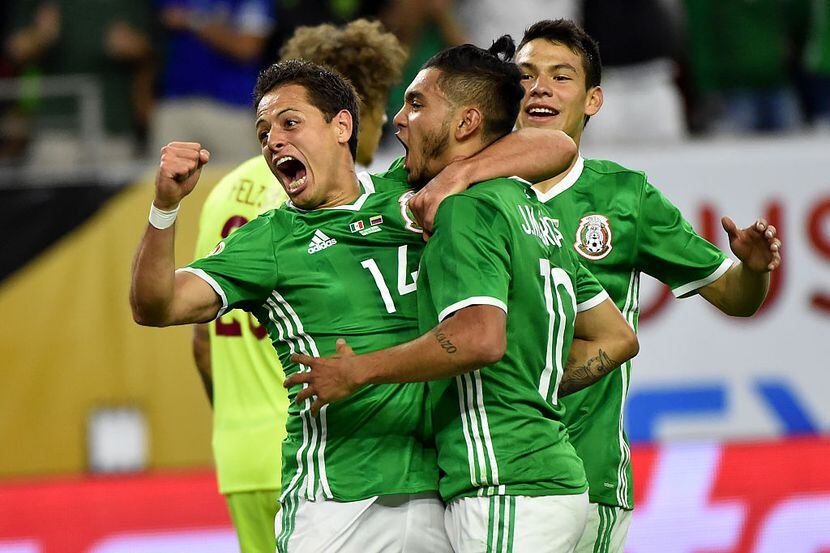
(239, 366)
(318, 269)
(504, 305)
(621, 226)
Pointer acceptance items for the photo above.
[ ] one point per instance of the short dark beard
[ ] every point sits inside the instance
(434, 145)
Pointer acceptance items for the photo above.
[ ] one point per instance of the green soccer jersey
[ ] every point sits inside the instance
(311, 277)
(622, 226)
(250, 404)
(499, 429)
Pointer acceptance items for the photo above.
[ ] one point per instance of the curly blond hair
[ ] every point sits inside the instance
(363, 51)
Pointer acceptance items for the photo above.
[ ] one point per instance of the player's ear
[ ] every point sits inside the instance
(343, 124)
(470, 122)
(593, 101)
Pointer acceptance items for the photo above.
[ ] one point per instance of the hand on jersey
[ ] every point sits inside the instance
(757, 246)
(329, 379)
(179, 170)
(424, 204)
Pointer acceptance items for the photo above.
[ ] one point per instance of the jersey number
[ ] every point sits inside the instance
(404, 275)
(558, 290)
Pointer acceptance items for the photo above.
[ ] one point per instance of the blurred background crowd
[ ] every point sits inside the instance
(86, 82)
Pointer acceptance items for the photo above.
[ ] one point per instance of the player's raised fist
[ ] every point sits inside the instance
(179, 169)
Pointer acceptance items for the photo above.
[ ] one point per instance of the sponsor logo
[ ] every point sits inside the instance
(593, 237)
(356, 226)
(320, 242)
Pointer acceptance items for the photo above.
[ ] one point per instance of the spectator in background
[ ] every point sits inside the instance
(292, 14)
(741, 54)
(214, 52)
(488, 19)
(817, 63)
(639, 48)
(107, 41)
(424, 27)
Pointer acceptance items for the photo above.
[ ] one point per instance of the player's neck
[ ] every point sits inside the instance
(345, 188)
(545, 185)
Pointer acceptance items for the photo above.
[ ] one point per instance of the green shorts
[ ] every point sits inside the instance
(253, 515)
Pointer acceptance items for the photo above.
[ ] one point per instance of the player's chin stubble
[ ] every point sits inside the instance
(434, 146)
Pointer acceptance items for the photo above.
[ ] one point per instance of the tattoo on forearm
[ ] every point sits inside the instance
(577, 377)
(445, 342)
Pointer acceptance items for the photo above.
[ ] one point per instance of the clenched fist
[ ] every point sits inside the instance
(179, 170)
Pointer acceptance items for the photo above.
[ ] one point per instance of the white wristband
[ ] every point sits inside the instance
(162, 219)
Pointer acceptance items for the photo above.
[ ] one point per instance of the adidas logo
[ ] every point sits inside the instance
(320, 242)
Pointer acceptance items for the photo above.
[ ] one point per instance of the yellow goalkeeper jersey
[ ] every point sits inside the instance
(250, 405)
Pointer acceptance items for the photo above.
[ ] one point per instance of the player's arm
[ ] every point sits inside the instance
(669, 249)
(201, 355)
(532, 154)
(602, 342)
(743, 288)
(159, 295)
(471, 338)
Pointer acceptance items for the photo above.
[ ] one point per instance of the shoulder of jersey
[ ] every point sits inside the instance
(386, 184)
(495, 189)
(608, 167)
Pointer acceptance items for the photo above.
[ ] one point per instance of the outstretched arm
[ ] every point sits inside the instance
(602, 342)
(743, 288)
(470, 339)
(160, 296)
(532, 154)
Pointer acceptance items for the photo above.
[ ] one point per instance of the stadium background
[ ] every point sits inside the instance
(104, 427)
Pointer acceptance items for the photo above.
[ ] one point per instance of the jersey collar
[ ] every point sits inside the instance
(569, 180)
(366, 185)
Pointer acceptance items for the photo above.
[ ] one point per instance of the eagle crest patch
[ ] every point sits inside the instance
(593, 237)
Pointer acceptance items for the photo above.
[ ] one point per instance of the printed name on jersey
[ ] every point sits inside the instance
(218, 249)
(593, 237)
(320, 242)
(543, 228)
(409, 219)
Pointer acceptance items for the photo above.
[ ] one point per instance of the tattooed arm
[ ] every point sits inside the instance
(602, 342)
(470, 339)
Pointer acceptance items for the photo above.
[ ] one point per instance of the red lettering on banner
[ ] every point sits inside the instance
(654, 308)
(710, 227)
(750, 493)
(816, 220)
(775, 217)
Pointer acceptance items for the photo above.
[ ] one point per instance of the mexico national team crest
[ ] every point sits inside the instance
(593, 237)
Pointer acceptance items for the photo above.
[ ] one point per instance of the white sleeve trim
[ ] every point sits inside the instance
(213, 284)
(475, 300)
(593, 302)
(681, 291)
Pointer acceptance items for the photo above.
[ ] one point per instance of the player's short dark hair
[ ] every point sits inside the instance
(484, 78)
(568, 33)
(327, 90)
